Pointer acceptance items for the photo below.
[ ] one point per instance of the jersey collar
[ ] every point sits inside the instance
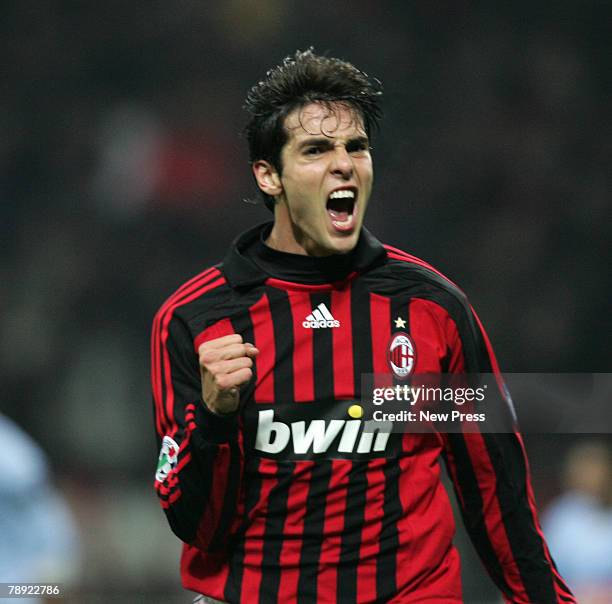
(250, 261)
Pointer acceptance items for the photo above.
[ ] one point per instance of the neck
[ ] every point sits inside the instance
(279, 241)
(286, 237)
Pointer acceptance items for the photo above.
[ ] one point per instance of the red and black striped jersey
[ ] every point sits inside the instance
(289, 501)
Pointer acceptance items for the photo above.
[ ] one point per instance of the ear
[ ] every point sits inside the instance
(267, 178)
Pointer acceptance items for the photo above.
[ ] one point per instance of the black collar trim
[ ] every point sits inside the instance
(250, 261)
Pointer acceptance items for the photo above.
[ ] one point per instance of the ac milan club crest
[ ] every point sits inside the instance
(401, 355)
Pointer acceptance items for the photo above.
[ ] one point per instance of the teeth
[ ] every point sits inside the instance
(343, 194)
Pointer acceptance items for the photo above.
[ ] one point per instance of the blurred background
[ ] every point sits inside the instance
(123, 173)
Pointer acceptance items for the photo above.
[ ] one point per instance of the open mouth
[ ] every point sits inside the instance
(341, 208)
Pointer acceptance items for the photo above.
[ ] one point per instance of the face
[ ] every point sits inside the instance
(325, 184)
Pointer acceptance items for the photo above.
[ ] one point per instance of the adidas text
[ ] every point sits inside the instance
(320, 324)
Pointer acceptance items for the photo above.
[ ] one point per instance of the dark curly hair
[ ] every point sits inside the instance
(301, 79)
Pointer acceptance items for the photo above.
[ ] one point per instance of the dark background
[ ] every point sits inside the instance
(123, 173)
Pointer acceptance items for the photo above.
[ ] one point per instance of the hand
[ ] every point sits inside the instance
(225, 364)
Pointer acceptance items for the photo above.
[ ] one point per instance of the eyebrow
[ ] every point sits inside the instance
(326, 140)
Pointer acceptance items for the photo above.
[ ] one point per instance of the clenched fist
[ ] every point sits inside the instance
(225, 364)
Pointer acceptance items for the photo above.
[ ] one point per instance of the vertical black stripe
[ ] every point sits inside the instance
(273, 533)
(322, 349)
(251, 480)
(357, 479)
(323, 381)
(526, 545)
(471, 510)
(386, 568)
(312, 539)
(282, 322)
(351, 535)
(362, 336)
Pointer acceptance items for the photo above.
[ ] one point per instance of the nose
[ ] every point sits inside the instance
(342, 164)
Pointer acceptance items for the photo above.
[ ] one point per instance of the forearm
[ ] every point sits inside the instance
(491, 479)
(200, 494)
(200, 463)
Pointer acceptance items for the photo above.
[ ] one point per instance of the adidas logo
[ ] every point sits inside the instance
(320, 318)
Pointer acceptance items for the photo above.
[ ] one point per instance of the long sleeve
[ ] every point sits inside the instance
(490, 474)
(201, 459)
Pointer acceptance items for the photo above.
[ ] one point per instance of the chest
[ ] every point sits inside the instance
(317, 345)
(318, 352)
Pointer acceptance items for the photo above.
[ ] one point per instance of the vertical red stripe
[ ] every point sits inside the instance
(254, 537)
(263, 334)
(426, 328)
(427, 524)
(303, 372)
(344, 384)
(335, 507)
(216, 330)
(380, 325)
(380, 320)
(293, 532)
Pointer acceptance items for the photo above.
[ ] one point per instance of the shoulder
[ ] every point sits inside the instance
(442, 300)
(422, 276)
(194, 297)
(427, 289)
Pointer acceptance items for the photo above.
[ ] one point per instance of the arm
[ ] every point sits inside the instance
(490, 474)
(201, 459)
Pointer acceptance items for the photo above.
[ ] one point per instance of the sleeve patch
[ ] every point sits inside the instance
(167, 458)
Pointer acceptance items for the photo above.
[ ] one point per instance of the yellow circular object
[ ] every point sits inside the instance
(355, 411)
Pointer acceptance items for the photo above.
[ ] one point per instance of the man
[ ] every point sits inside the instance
(278, 495)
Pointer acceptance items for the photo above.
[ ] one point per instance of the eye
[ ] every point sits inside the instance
(358, 146)
(313, 150)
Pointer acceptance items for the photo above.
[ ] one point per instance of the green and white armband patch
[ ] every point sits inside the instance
(167, 458)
